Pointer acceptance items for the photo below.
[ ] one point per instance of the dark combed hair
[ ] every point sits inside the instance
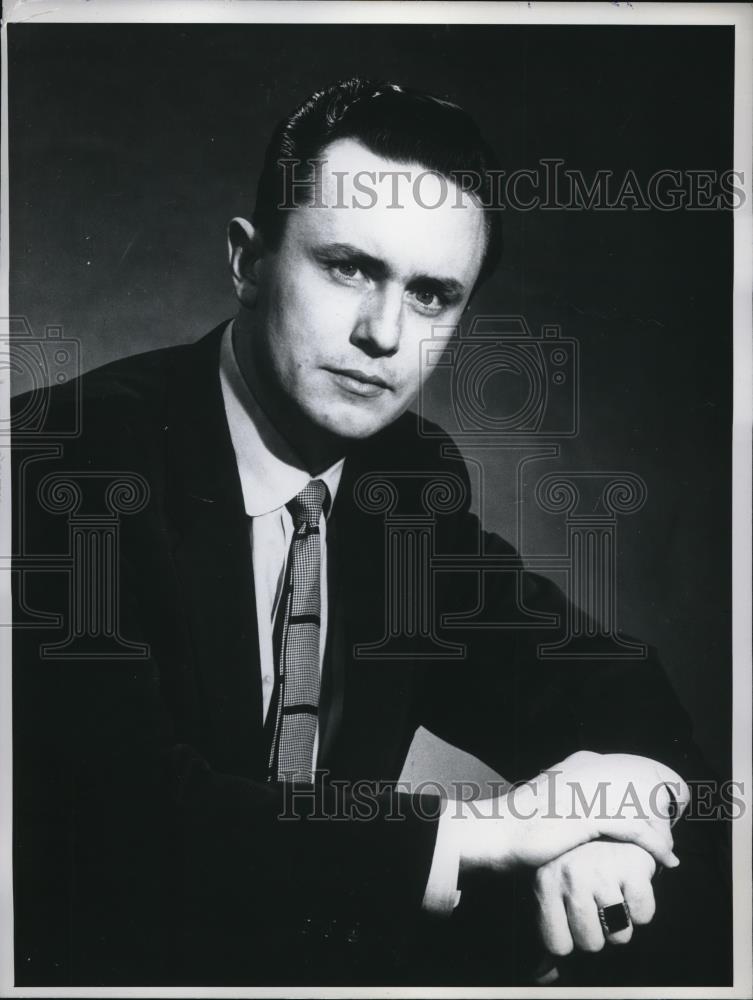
(404, 125)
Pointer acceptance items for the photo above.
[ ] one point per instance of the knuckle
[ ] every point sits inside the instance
(544, 881)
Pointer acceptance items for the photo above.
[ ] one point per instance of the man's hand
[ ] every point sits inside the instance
(570, 890)
(586, 797)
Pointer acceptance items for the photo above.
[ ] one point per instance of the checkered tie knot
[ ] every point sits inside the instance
(294, 710)
(306, 507)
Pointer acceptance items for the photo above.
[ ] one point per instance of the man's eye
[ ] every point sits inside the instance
(427, 301)
(345, 270)
(428, 298)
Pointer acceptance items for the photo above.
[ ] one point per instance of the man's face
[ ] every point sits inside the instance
(345, 302)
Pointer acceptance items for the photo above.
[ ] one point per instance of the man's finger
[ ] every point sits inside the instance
(639, 896)
(553, 925)
(584, 923)
(546, 972)
(658, 843)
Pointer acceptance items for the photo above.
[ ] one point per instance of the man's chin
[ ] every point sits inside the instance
(358, 427)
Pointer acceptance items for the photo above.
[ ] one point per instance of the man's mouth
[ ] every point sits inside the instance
(359, 383)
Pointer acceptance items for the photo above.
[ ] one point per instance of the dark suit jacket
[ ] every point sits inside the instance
(148, 844)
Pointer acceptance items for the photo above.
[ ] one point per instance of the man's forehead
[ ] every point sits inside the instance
(401, 212)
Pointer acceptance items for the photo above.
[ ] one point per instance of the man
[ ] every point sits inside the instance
(215, 801)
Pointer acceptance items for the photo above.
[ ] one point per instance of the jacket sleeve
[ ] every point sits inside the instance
(518, 710)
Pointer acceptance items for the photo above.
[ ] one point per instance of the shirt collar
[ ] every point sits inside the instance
(271, 473)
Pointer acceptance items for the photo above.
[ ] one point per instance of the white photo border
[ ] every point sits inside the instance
(739, 15)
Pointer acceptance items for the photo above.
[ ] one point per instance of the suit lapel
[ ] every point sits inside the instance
(367, 728)
(212, 556)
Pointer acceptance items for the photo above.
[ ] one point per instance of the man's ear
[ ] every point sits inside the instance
(245, 250)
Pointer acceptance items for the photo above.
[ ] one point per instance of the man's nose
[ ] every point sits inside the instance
(378, 328)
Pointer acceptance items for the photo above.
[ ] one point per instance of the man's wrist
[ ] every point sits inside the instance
(489, 832)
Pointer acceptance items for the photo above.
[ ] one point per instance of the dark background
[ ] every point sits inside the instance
(132, 145)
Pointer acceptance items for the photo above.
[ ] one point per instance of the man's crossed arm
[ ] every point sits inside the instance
(595, 827)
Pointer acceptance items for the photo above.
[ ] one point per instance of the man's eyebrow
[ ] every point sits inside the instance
(451, 288)
(380, 269)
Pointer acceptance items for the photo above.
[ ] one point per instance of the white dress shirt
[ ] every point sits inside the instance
(271, 475)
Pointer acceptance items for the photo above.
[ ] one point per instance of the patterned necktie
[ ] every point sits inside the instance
(293, 712)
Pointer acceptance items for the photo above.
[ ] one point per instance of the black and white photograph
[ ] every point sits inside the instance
(375, 462)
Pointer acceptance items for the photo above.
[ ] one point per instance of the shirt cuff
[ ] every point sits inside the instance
(442, 894)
